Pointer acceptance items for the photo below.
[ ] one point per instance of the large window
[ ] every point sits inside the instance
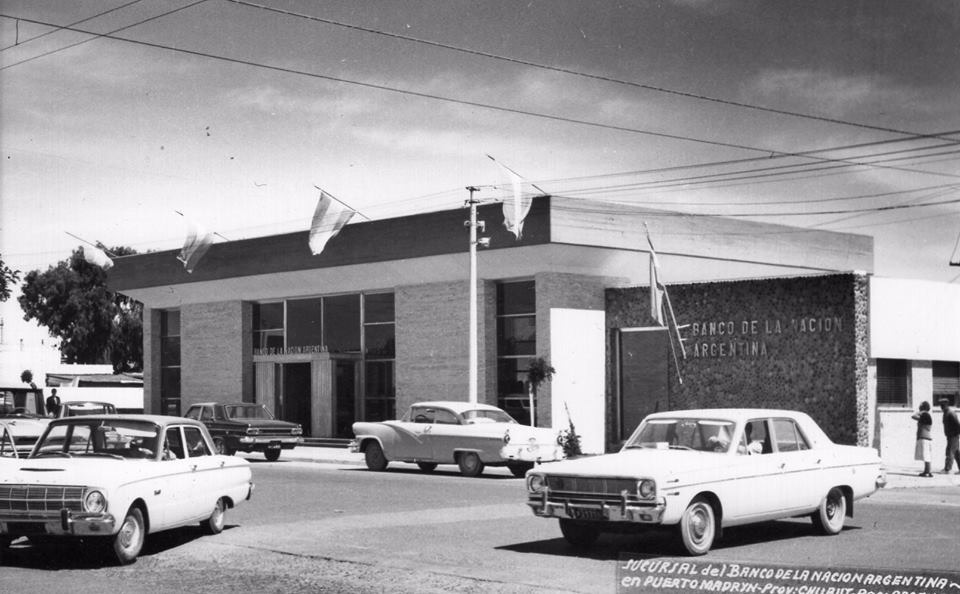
(946, 381)
(893, 382)
(380, 348)
(268, 325)
(516, 336)
(170, 362)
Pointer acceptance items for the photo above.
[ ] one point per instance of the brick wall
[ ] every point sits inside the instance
(797, 343)
(215, 340)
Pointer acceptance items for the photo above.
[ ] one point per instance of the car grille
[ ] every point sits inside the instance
(39, 501)
(591, 487)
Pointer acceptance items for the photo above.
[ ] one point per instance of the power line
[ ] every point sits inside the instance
(463, 101)
(73, 24)
(572, 72)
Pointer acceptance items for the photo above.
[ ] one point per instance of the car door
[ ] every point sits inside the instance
(411, 435)
(207, 471)
(755, 491)
(447, 435)
(800, 466)
(170, 503)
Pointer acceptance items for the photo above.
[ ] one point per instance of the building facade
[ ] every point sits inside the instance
(770, 316)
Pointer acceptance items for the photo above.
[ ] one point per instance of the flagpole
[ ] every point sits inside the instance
(473, 358)
(107, 252)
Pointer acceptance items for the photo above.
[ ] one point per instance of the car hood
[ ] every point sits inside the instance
(93, 471)
(639, 463)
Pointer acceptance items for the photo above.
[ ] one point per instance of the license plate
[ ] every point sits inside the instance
(589, 513)
(274, 445)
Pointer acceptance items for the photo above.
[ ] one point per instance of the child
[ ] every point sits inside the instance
(924, 449)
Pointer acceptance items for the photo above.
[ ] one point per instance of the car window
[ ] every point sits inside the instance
(755, 439)
(206, 414)
(445, 417)
(422, 415)
(788, 436)
(196, 444)
(193, 413)
(173, 446)
(707, 435)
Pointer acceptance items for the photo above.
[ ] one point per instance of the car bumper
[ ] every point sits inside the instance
(598, 511)
(531, 452)
(251, 443)
(66, 523)
(354, 447)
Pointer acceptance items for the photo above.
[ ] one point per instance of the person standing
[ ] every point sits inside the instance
(924, 449)
(951, 429)
(53, 404)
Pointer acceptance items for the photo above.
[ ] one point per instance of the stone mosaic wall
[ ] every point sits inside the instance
(796, 343)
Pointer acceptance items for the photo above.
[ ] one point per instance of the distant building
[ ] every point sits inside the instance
(771, 316)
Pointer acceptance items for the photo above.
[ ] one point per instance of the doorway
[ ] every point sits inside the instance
(293, 403)
(643, 358)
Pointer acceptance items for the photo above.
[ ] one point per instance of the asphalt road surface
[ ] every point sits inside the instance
(324, 528)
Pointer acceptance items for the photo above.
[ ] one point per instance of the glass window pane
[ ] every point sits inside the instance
(304, 323)
(267, 315)
(517, 336)
(892, 381)
(170, 382)
(170, 323)
(516, 298)
(511, 377)
(380, 341)
(380, 401)
(378, 308)
(170, 351)
(341, 323)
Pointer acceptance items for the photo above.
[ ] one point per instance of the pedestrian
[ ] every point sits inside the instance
(951, 428)
(53, 403)
(924, 449)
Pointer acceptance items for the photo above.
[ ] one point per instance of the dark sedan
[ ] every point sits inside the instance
(246, 427)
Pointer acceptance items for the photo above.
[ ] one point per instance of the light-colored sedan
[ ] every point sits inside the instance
(470, 435)
(703, 470)
(119, 477)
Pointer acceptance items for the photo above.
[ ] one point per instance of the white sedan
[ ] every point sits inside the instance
(702, 470)
(120, 477)
(447, 432)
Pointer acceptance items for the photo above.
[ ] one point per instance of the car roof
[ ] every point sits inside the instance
(734, 414)
(158, 419)
(85, 403)
(226, 404)
(457, 406)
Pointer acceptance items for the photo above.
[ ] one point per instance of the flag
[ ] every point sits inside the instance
(329, 217)
(196, 245)
(657, 289)
(97, 257)
(515, 206)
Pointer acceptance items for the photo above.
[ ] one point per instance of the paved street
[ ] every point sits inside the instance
(340, 528)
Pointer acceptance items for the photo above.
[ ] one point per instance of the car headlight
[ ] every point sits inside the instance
(253, 431)
(646, 488)
(536, 483)
(298, 430)
(506, 437)
(94, 501)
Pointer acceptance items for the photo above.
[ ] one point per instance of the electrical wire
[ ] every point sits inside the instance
(73, 24)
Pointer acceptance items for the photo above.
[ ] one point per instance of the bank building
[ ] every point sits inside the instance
(751, 315)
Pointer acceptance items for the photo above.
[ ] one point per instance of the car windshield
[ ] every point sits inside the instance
(87, 408)
(98, 437)
(247, 411)
(706, 435)
(485, 415)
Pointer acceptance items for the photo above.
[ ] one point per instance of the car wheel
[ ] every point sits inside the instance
(272, 455)
(579, 534)
(126, 543)
(427, 466)
(698, 526)
(470, 464)
(828, 519)
(220, 444)
(214, 524)
(373, 455)
(519, 469)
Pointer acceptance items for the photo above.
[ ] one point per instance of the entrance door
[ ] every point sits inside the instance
(643, 361)
(294, 404)
(345, 397)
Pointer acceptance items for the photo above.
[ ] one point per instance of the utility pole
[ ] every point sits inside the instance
(473, 223)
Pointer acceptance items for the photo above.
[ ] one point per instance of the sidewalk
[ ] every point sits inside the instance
(898, 477)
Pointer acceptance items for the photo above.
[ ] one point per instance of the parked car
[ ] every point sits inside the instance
(700, 471)
(118, 478)
(8, 448)
(24, 428)
(470, 435)
(75, 408)
(518, 407)
(246, 427)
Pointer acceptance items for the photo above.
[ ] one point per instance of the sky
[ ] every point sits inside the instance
(234, 112)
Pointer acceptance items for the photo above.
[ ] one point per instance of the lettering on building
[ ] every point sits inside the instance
(742, 339)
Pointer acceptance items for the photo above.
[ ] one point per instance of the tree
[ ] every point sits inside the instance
(8, 278)
(93, 324)
(539, 370)
(27, 378)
